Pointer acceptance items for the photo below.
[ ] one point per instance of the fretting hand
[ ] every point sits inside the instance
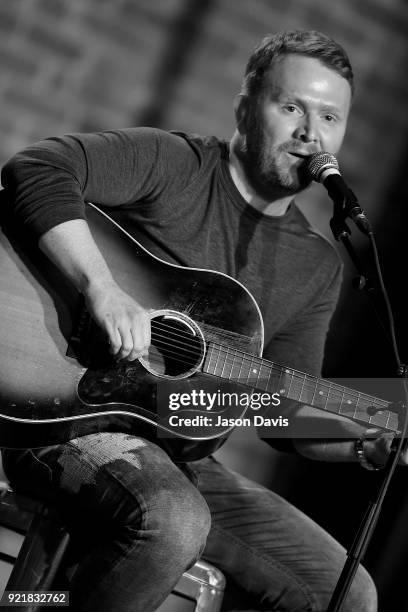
(378, 448)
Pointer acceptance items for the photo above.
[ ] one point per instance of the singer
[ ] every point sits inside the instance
(138, 519)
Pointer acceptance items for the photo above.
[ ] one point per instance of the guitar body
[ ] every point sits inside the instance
(57, 379)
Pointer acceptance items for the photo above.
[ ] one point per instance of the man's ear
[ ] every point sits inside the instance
(241, 110)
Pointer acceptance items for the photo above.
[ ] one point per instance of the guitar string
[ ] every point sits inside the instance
(217, 331)
(176, 338)
(168, 331)
(303, 378)
(300, 375)
(177, 335)
(385, 414)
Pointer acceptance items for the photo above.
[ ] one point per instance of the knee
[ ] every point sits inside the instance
(141, 495)
(181, 520)
(172, 516)
(362, 596)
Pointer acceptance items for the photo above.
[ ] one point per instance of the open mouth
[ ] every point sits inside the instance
(297, 159)
(299, 155)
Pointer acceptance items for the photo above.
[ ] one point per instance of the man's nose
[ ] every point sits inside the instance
(307, 129)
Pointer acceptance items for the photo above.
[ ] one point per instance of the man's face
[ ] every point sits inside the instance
(302, 109)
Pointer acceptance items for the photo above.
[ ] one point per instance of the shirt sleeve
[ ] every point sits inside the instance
(48, 182)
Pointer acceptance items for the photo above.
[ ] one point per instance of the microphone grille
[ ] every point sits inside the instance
(318, 162)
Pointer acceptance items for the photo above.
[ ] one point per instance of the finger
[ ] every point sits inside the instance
(139, 346)
(140, 331)
(127, 344)
(374, 432)
(114, 338)
(146, 333)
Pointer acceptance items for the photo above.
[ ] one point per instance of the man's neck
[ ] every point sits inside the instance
(272, 207)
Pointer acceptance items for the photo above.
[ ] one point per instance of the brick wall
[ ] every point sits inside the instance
(74, 65)
(69, 65)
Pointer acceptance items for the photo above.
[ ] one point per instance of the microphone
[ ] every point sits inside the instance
(324, 168)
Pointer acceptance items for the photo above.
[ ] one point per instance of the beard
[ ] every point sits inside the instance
(271, 170)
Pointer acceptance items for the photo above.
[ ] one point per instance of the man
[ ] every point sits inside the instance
(137, 520)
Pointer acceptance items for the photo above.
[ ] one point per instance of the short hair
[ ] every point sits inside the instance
(309, 43)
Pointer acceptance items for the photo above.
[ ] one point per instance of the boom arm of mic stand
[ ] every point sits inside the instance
(338, 223)
(341, 232)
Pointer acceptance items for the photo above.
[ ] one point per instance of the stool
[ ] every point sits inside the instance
(46, 541)
(203, 584)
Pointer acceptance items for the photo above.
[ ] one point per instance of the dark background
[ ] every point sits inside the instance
(79, 65)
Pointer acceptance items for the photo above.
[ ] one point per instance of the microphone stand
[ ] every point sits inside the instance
(381, 478)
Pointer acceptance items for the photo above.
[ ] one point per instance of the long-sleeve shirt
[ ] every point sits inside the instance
(175, 194)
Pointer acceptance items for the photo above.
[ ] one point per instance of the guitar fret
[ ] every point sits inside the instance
(257, 373)
(319, 395)
(233, 363)
(231, 356)
(223, 365)
(333, 395)
(240, 361)
(291, 381)
(308, 390)
(263, 379)
(346, 402)
(301, 389)
(341, 401)
(327, 398)
(216, 363)
(269, 379)
(228, 363)
(240, 369)
(314, 393)
(254, 370)
(281, 390)
(250, 369)
(355, 410)
(210, 356)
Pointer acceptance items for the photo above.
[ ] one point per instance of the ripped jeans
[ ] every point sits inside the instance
(138, 521)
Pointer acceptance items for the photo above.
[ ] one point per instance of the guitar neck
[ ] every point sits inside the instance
(262, 375)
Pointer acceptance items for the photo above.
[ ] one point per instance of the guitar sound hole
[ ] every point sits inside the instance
(177, 347)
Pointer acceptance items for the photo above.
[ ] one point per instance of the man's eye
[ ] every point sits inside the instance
(330, 118)
(291, 108)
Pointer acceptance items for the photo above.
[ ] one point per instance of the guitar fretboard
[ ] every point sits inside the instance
(262, 375)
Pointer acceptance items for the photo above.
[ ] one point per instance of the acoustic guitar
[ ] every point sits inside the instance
(58, 380)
